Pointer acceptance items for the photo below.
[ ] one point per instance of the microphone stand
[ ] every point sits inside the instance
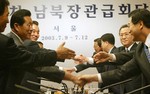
(112, 85)
(139, 89)
(28, 89)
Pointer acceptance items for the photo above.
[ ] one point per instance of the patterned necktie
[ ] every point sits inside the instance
(147, 52)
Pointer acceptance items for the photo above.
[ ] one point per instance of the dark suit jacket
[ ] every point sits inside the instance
(52, 73)
(139, 64)
(12, 57)
(137, 80)
(56, 75)
(111, 66)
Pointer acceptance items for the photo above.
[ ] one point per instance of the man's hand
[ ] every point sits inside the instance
(102, 57)
(64, 53)
(70, 70)
(89, 78)
(80, 59)
(70, 77)
(79, 82)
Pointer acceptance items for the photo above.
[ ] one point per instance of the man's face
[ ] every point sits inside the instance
(97, 48)
(104, 45)
(24, 31)
(35, 33)
(135, 30)
(125, 37)
(4, 19)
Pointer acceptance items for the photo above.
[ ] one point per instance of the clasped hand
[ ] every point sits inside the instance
(80, 59)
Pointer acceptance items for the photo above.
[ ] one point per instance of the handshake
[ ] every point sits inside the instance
(84, 79)
(79, 80)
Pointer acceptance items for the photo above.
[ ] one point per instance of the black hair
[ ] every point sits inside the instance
(35, 22)
(123, 26)
(108, 37)
(3, 4)
(18, 17)
(98, 40)
(140, 15)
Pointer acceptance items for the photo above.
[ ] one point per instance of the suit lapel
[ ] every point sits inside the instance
(142, 60)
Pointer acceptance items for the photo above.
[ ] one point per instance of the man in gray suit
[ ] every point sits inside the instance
(21, 25)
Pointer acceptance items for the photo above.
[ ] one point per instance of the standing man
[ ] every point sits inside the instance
(139, 24)
(108, 46)
(128, 45)
(12, 57)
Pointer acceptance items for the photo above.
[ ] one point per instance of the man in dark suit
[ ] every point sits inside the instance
(128, 45)
(140, 63)
(108, 45)
(13, 57)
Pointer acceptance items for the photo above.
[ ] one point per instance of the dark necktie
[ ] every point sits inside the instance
(147, 52)
(126, 49)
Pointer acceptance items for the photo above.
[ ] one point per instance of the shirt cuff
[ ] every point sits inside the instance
(99, 78)
(75, 68)
(113, 58)
(61, 68)
(90, 60)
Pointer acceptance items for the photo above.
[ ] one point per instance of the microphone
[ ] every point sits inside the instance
(28, 89)
(139, 89)
(101, 89)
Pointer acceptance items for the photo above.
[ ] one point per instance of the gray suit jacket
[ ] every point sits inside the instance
(16, 39)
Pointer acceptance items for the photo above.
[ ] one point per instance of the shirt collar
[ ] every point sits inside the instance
(17, 37)
(111, 49)
(147, 42)
(129, 48)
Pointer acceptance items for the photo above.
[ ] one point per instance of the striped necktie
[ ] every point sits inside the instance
(147, 52)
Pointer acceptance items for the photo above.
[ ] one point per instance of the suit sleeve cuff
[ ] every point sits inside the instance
(61, 68)
(113, 58)
(90, 60)
(75, 68)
